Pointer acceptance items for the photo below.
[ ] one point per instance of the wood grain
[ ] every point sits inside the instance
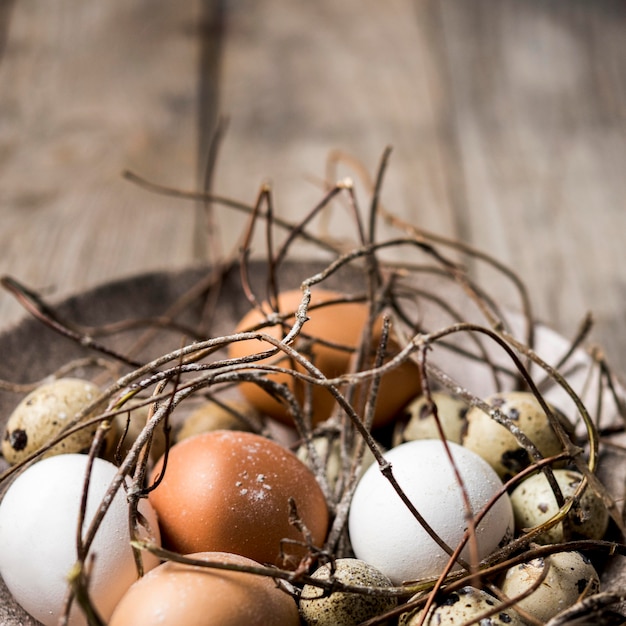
(506, 121)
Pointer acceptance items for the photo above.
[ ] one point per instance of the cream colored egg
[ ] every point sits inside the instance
(321, 608)
(43, 414)
(569, 576)
(534, 502)
(422, 424)
(467, 605)
(498, 446)
(211, 416)
(129, 425)
(331, 455)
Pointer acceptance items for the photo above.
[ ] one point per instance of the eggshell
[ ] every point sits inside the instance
(129, 426)
(330, 452)
(569, 575)
(211, 416)
(318, 607)
(385, 533)
(341, 324)
(42, 415)
(38, 519)
(421, 422)
(464, 606)
(175, 594)
(229, 491)
(534, 503)
(498, 446)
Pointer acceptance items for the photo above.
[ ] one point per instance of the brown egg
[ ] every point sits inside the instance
(174, 594)
(341, 324)
(229, 491)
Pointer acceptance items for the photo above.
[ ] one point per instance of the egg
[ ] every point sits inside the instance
(212, 416)
(534, 503)
(465, 606)
(42, 415)
(229, 491)
(341, 324)
(318, 607)
(569, 576)
(384, 532)
(128, 427)
(498, 446)
(176, 594)
(421, 422)
(330, 452)
(38, 519)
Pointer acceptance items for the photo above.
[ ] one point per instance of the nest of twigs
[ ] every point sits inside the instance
(169, 350)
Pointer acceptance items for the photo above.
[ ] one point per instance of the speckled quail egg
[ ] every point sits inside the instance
(210, 416)
(421, 422)
(320, 608)
(569, 575)
(464, 606)
(498, 446)
(330, 454)
(42, 415)
(534, 503)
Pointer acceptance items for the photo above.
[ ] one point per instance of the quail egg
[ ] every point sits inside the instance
(467, 605)
(318, 607)
(569, 576)
(498, 446)
(421, 422)
(534, 502)
(42, 415)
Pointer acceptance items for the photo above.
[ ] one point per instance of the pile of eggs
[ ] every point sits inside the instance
(223, 508)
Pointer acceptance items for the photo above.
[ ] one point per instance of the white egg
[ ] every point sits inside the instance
(384, 532)
(38, 520)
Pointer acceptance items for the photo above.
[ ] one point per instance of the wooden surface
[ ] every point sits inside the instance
(507, 121)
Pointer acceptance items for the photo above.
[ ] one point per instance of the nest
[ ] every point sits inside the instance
(457, 334)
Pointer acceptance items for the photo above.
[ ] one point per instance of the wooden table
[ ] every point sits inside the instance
(507, 121)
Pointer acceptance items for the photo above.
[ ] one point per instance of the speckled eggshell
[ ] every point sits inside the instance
(384, 532)
(38, 519)
(176, 594)
(421, 422)
(341, 324)
(497, 445)
(462, 607)
(43, 413)
(229, 491)
(319, 608)
(534, 503)
(569, 576)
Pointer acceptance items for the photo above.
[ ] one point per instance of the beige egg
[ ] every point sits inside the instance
(467, 605)
(43, 414)
(320, 608)
(534, 502)
(569, 576)
(422, 424)
(330, 453)
(176, 594)
(210, 416)
(498, 446)
(129, 425)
